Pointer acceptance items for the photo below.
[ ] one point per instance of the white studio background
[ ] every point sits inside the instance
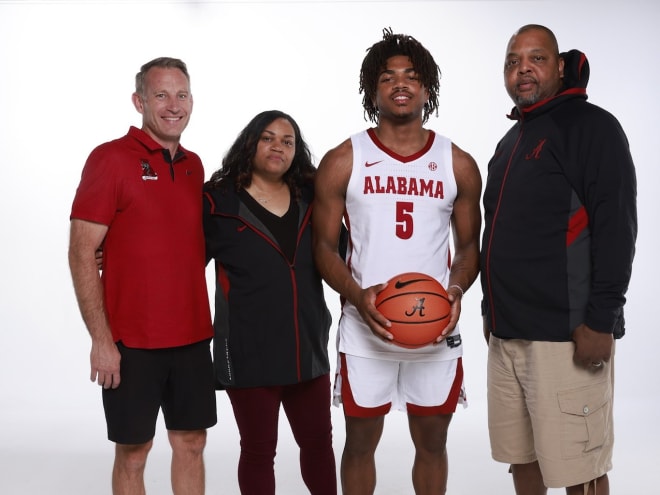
(67, 73)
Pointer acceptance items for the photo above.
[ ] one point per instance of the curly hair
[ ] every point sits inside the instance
(376, 60)
(237, 165)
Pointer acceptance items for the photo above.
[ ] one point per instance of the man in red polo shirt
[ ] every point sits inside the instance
(148, 312)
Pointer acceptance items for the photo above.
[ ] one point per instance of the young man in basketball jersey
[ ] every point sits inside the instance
(401, 189)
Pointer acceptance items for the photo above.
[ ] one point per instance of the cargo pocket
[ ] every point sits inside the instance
(585, 418)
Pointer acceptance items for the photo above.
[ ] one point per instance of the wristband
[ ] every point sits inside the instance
(458, 287)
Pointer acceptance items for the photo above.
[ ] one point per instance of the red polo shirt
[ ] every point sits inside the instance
(153, 254)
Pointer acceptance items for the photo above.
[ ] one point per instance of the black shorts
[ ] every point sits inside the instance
(180, 380)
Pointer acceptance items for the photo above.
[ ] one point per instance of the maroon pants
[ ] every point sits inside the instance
(307, 407)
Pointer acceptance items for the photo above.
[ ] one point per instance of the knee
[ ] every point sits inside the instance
(363, 435)
(258, 451)
(429, 433)
(314, 440)
(433, 446)
(132, 457)
(188, 442)
(359, 446)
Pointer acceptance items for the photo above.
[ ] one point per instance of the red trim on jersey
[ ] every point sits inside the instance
(452, 399)
(404, 159)
(351, 408)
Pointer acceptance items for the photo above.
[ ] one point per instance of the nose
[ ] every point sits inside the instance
(400, 81)
(173, 105)
(524, 65)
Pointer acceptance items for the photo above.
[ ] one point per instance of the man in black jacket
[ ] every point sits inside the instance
(558, 246)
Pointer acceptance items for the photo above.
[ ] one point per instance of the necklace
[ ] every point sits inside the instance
(266, 198)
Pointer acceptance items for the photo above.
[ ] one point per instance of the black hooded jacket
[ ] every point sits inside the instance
(271, 321)
(560, 218)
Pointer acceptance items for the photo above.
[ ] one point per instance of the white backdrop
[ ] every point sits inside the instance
(67, 70)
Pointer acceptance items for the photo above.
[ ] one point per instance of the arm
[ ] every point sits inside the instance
(610, 196)
(466, 228)
(332, 179)
(86, 238)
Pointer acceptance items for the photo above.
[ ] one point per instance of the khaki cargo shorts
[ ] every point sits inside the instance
(541, 407)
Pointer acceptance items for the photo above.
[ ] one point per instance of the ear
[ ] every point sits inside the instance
(137, 102)
(561, 67)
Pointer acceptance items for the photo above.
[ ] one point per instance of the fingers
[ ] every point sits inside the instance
(110, 380)
(116, 379)
(106, 379)
(105, 362)
(372, 317)
(592, 349)
(379, 325)
(590, 360)
(98, 257)
(455, 313)
(376, 322)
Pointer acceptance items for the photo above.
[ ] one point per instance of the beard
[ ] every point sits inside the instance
(526, 100)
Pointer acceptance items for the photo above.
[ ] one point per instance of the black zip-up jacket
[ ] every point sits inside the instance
(271, 321)
(560, 218)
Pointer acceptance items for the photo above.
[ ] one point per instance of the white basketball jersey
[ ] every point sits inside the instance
(398, 212)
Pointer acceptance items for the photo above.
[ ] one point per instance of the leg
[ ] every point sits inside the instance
(527, 479)
(128, 470)
(431, 391)
(256, 411)
(131, 412)
(187, 461)
(599, 486)
(188, 405)
(307, 406)
(366, 387)
(358, 465)
(510, 427)
(571, 412)
(429, 435)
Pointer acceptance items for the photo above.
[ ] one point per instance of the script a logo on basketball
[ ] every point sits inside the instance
(419, 306)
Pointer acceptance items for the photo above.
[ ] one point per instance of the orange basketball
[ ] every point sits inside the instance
(418, 307)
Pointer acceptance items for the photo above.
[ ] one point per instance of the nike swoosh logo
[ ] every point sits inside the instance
(401, 285)
(368, 164)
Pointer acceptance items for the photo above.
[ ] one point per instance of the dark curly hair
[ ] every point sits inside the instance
(237, 164)
(376, 60)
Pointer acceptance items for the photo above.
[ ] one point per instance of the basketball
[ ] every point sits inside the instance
(418, 307)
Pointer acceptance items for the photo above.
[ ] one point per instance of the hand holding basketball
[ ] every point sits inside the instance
(418, 307)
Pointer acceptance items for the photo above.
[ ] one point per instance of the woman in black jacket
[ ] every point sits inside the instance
(271, 321)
